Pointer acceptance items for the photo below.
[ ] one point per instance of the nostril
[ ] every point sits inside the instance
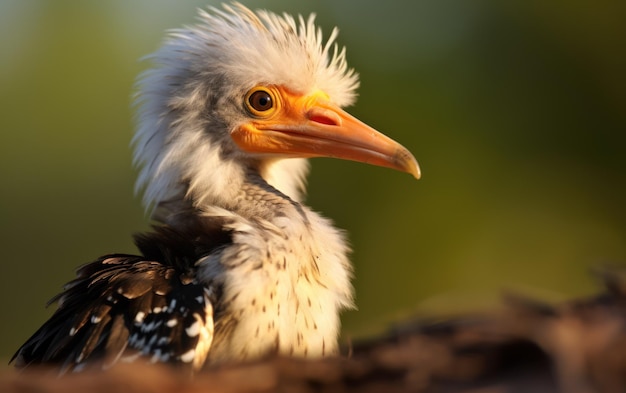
(323, 120)
(324, 116)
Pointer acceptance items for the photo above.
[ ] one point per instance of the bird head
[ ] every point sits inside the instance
(243, 92)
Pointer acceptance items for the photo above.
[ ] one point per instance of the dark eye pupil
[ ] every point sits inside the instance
(260, 101)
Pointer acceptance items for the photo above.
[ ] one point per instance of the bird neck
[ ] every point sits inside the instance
(248, 194)
(257, 199)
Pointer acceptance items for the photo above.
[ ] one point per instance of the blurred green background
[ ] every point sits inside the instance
(516, 111)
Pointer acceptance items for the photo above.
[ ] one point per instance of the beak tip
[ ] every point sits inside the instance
(415, 171)
(406, 162)
(417, 174)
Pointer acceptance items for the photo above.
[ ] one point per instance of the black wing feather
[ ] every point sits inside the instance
(123, 306)
(99, 314)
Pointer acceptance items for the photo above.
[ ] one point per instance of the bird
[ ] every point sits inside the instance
(236, 267)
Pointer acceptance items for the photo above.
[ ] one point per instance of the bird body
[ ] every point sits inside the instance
(237, 267)
(281, 290)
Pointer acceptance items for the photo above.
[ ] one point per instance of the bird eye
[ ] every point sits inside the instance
(260, 102)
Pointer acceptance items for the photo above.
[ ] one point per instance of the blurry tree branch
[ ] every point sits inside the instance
(578, 347)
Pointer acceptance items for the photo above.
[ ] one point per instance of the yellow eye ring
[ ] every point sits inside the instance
(261, 101)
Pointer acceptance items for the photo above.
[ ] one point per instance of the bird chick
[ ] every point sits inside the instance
(236, 267)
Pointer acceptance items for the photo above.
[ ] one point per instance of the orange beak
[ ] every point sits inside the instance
(311, 126)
